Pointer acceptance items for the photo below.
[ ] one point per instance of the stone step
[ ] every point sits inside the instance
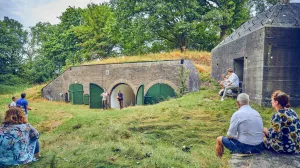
(266, 159)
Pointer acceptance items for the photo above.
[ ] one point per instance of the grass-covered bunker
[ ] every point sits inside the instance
(140, 82)
(265, 54)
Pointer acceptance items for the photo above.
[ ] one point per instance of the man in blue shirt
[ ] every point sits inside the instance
(23, 104)
(120, 99)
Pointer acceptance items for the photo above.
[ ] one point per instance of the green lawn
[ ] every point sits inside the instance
(140, 136)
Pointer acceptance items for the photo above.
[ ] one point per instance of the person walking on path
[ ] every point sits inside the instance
(120, 99)
(23, 104)
(104, 100)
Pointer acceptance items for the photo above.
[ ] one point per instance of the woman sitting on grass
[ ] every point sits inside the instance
(284, 134)
(18, 139)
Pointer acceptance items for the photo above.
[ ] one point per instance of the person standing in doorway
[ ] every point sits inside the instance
(120, 99)
(104, 99)
(23, 104)
(13, 103)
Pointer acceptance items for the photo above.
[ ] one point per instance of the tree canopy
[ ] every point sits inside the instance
(120, 27)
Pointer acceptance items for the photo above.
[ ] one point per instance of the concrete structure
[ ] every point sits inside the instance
(267, 159)
(265, 54)
(131, 75)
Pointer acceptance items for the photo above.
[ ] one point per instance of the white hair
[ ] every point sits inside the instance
(243, 99)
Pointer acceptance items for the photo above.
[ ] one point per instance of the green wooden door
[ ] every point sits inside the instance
(86, 99)
(159, 92)
(71, 93)
(140, 96)
(95, 98)
(77, 94)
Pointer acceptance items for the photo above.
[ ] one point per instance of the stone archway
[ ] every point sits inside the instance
(171, 84)
(119, 81)
(128, 91)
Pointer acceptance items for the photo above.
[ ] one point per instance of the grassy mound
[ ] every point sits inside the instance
(200, 59)
(176, 133)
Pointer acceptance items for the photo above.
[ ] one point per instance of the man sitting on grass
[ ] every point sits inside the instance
(245, 134)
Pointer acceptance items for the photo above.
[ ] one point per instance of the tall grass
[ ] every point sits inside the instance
(8, 89)
(200, 59)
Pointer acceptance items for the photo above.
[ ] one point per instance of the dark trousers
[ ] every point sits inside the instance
(104, 104)
(121, 104)
(37, 147)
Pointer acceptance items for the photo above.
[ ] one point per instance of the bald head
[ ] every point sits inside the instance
(243, 99)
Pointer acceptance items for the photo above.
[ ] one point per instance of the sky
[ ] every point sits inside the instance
(30, 12)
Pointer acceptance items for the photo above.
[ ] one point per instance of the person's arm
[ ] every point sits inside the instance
(33, 133)
(233, 79)
(266, 131)
(234, 123)
(26, 106)
(275, 129)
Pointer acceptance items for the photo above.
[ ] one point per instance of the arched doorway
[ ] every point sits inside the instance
(159, 92)
(128, 96)
(95, 98)
(76, 93)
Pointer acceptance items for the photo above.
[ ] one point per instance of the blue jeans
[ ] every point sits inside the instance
(37, 147)
(237, 147)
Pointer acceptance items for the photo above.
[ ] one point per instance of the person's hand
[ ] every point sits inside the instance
(265, 131)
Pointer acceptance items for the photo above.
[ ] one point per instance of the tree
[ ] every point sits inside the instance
(227, 15)
(171, 22)
(95, 34)
(262, 5)
(12, 40)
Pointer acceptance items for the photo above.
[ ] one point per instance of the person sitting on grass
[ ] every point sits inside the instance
(245, 134)
(18, 139)
(284, 134)
(233, 82)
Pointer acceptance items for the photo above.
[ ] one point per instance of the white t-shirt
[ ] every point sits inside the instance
(234, 79)
(12, 104)
(104, 95)
(246, 126)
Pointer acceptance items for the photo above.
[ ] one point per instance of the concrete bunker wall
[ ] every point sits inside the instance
(250, 48)
(133, 74)
(282, 63)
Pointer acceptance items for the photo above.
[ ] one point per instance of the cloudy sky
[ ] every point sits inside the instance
(29, 12)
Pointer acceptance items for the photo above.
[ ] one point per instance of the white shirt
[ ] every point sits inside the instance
(12, 104)
(104, 95)
(246, 126)
(234, 79)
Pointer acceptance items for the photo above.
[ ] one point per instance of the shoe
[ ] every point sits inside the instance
(222, 99)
